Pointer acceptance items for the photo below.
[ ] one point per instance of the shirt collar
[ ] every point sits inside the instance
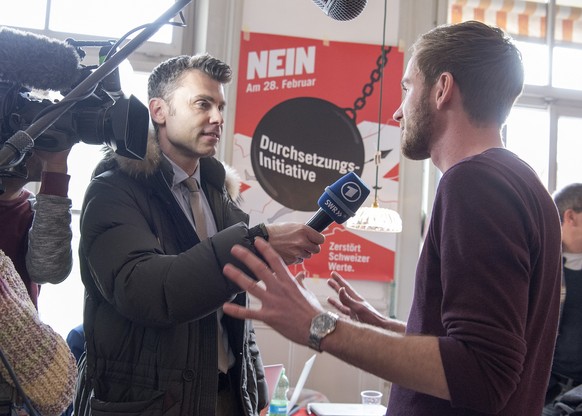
(180, 175)
(573, 261)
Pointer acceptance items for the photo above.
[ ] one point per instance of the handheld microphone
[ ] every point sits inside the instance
(37, 61)
(339, 201)
(341, 9)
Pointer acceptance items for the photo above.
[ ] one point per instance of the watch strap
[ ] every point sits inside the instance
(314, 342)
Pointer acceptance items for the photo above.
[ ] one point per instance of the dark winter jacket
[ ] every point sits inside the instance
(153, 290)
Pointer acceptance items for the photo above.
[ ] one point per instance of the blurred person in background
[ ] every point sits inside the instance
(567, 366)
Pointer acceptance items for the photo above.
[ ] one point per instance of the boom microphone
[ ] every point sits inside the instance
(341, 9)
(37, 61)
(339, 201)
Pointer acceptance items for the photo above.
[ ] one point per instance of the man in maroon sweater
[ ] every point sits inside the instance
(481, 331)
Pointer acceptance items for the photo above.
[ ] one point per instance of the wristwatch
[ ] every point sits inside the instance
(321, 326)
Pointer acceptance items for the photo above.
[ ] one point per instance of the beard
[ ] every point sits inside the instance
(416, 136)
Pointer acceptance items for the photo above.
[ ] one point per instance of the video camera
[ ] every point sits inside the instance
(94, 111)
(104, 116)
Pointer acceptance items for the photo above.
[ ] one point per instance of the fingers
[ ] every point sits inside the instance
(312, 249)
(256, 265)
(294, 241)
(300, 278)
(252, 287)
(293, 260)
(341, 282)
(298, 254)
(302, 256)
(315, 236)
(339, 279)
(273, 259)
(336, 282)
(239, 312)
(333, 284)
(346, 299)
(339, 306)
(271, 272)
(241, 279)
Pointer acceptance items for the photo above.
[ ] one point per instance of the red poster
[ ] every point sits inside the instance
(307, 113)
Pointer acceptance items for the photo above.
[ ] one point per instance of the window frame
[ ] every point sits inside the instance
(558, 102)
(145, 57)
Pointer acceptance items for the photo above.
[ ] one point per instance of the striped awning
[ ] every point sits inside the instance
(521, 18)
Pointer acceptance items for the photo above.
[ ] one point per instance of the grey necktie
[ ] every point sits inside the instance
(202, 231)
(196, 207)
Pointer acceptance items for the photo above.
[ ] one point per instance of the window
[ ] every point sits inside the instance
(527, 135)
(104, 22)
(569, 144)
(105, 19)
(25, 14)
(543, 128)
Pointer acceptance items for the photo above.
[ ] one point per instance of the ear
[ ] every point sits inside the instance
(443, 88)
(158, 110)
(570, 216)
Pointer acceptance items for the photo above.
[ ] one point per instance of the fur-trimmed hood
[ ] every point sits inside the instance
(151, 163)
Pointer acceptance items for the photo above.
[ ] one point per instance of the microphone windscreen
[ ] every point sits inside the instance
(341, 9)
(37, 61)
(342, 199)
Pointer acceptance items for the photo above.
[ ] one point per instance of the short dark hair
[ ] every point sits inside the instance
(165, 78)
(569, 197)
(484, 62)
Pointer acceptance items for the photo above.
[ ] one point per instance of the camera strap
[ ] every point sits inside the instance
(10, 403)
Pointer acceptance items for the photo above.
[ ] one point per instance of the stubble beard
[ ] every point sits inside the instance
(196, 147)
(416, 136)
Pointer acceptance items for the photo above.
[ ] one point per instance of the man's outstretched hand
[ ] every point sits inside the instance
(350, 303)
(286, 305)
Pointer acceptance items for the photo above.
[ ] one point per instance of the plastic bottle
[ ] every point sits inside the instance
(279, 401)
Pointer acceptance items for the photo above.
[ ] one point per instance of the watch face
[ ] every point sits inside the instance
(323, 324)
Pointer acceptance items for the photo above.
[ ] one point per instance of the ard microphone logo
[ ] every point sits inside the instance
(351, 191)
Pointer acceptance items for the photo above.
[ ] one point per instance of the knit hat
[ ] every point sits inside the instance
(41, 359)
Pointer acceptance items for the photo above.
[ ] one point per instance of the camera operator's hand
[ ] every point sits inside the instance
(53, 161)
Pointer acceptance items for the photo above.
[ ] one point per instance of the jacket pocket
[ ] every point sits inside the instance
(151, 407)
